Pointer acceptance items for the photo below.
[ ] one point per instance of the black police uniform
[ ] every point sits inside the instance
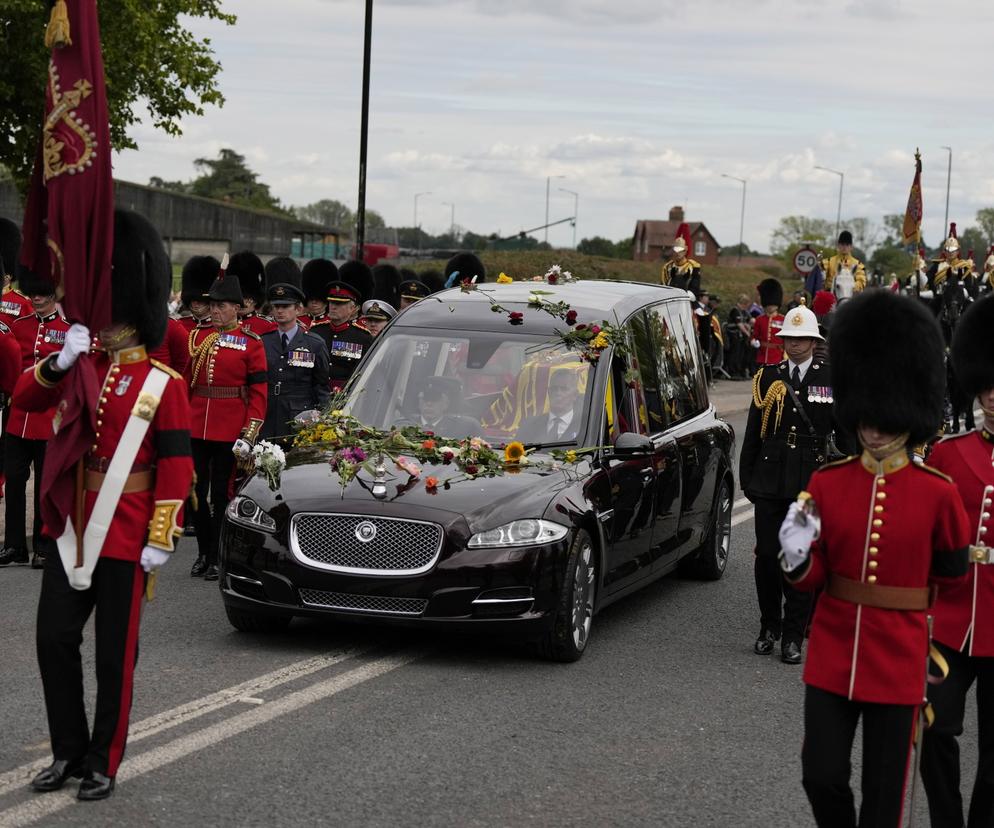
(298, 378)
(780, 451)
(346, 345)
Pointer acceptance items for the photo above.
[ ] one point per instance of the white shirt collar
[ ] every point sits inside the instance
(802, 367)
(565, 419)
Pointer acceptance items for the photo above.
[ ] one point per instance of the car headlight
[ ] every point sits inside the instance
(519, 533)
(246, 512)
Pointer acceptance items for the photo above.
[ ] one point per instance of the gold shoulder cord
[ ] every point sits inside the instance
(200, 353)
(775, 395)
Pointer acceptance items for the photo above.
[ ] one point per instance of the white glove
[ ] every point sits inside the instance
(241, 448)
(153, 558)
(754, 343)
(797, 532)
(77, 342)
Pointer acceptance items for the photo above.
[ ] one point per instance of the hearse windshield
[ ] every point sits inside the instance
(460, 384)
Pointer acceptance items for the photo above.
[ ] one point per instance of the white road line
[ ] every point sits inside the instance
(41, 806)
(742, 501)
(742, 518)
(19, 777)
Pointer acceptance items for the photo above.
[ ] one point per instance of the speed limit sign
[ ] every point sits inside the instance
(805, 260)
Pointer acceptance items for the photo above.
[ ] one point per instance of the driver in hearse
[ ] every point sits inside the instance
(560, 423)
(435, 409)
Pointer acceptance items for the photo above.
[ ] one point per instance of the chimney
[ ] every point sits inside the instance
(676, 213)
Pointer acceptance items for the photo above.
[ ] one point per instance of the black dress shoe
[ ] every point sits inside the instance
(37, 561)
(95, 786)
(211, 574)
(13, 556)
(189, 531)
(790, 652)
(56, 775)
(765, 643)
(199, 567)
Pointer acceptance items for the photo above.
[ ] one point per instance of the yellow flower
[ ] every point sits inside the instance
(570, 456)
(337, 412)
(514, 452)
(504, 279)
(599, 342)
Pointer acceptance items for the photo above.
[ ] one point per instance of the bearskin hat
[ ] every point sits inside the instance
(434, 280)
(282, 271)
(770, 292)
(358, 275)
(141, 278)
(10, 247)
(199, 274)
(248, 269)
(888, 366)
(315, 276)
(468, 265)
(386, 284)
(973, 347)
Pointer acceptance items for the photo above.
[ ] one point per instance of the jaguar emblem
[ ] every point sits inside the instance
(365, 531)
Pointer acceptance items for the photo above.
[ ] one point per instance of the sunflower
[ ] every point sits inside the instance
(514, 452)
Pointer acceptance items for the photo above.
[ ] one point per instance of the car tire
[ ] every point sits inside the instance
(256, 622)
(570, 633)
(709, 561)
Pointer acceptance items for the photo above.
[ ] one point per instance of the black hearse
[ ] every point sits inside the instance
(538, 552)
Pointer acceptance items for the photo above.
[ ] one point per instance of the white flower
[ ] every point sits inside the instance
(534, 299)
(448, 451)
(554, 270)
(567, 276)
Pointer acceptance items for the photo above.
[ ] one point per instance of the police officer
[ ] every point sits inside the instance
(964, 612)
(375, 315)
(411, 291)
(887, 530)
(143, 432)
(297, 362)
(786, 439)
(845, 275)
(346, 339)
(227, 380)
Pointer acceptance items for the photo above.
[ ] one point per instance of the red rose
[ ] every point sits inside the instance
(472, 469)
(553, 278)
(581, 327)
(571, 317)
(516, 317)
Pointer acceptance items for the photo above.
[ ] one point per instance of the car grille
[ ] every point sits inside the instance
(363, 603)
(398, 547)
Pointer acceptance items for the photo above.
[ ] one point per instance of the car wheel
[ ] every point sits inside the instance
(708, 563)
(256, 622)
(575, 610)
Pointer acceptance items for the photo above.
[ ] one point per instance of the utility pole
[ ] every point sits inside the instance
(838, 215)
(364, 135)
(417, 227)
(949, 177)
(452, 221)
(548, 181)
(576, 208)
(742, 214)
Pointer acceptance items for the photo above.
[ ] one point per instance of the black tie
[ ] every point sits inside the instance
(286, 342)
(795, 378)
(554, 428)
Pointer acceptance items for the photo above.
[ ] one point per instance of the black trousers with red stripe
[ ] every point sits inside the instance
(116, 594)
(829, 729)
(213, 463)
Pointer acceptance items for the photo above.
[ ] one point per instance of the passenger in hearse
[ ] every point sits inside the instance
(438, 403)
(560, 423)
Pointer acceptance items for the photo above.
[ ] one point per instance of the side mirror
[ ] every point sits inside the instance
(630, 444)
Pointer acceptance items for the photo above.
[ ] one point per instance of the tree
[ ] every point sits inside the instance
(972, 239)
(864, 232)
(985, 219)
(733, 251)
(151, 60)
(598, 246)
(890, 259)
(172, 186)
(228, 178)
(796, 230)
(329, 212)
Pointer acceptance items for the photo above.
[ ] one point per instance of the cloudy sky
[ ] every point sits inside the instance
(640, 104)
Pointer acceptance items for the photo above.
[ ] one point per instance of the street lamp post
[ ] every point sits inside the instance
(842, 178)
(364, 134)
(576, 208)
(417, 231)
(742, 215)
(949, 176)
(548, 182)
(452, 221)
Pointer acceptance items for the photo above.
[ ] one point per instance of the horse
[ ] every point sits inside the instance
(953, 302)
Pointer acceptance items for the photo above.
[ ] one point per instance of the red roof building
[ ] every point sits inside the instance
(653, 240)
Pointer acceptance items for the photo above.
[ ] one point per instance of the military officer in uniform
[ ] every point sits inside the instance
(199, 273)
(845, 275)
(227, 380)
(876, 532)
(964, 611)
(143, 431)
(298, 364)
(28, 432)
(411, 291)
(315, 277)
(766, 328)
(346, 339)
(680, 271)
(375, 315)
(786, 439)
(950, 268)
(248, 269)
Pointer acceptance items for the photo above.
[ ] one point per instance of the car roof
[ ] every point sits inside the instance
(593, 300)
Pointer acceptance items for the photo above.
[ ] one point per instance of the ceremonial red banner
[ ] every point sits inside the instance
(913, 215)
(69, 226)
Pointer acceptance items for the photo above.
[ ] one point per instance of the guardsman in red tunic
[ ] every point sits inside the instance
(227, 380)
(13, 304)
(765, 330)
(28, 432)
(173, 349)
(315, 277)
(964, 612)
(199, 274)
(889, 531)
(247, 267)
(137, 473)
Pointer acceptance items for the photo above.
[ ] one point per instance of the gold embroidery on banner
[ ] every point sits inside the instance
(69, 142)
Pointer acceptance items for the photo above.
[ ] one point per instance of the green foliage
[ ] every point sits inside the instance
(599, 246)
(985, 219)
(228, 178)
(792, 231)
(890, 259)
(973, 239)
(329, 212)
(149, 57)
(733, 251)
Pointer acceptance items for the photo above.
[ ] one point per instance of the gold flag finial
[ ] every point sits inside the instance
(57, 32)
